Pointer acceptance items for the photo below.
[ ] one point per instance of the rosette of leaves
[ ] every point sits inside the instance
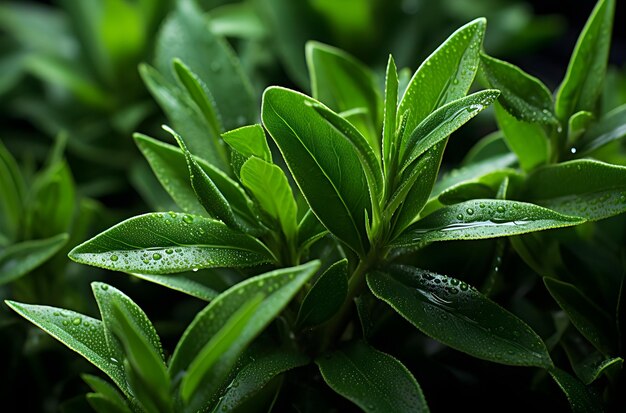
(364, 162)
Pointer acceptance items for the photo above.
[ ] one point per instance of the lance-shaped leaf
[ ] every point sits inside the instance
(528, 140)
(609, 128)
(590, 367)
(12, 190)
(170, 167)
(165, 243)
(587, 67)
(106, 391)
(186, 32)
(586, 188)
(269, 185)
(277, 287)
(249, 141)
(459, 316)
(593, 322)
(441, 123)
(522, 95)
(84, 335)
(390, 114)
(325, 296)
(579, 396)
(373, 380)
(483, 218)
(255, 375)
(323, 163)
(446, 75)
(19, 259)
(342, 83)
(188, 283)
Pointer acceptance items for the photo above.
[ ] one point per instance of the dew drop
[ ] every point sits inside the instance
(187, 219)
(76, 321)
(65, 322)
(573, 150)
(104, 287)
(459, 217)
(169, 251)
(470, 211)
(114, 258)
(500, 209)
(195, 270)
(156, 256)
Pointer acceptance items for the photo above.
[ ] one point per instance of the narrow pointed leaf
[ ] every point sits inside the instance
(278, 287)
(483, 218)
(390, 113)
(607, 129)
(12, 190)
(269, 185)
(587, 188)
(580, 398)
(325, 296)
(106, 390)
(84, 335)
(102, 404)
(19, 259)
(373, 380)
(249, 141)
(522, 95)
(309, 230)
(459, 316)
(446, 75)
(182, 283)
(587, 67)
(165, 243)
(323, 163)
(594, 366)
(593, 322)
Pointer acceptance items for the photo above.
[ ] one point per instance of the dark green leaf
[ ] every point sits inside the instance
(102, 404)
(106, 390)
(585, 74)
(309, 230)
(249, 141)
(609, 128)
(12, 190)
(459, 316)
(373, 380)
(587, 188)
(278, 287)
(164, 243)
(580, 397)
(323, 163)
(182, 283)
(483, 218)
(523, 96)
(595, 365)
(19, 259)
(326, 296)
(592, 321)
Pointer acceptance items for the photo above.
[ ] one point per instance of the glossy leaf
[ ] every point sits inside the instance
(528, 140)
(580, 397)
(594, 366)
(592, 321)
(577, 125)
(310, 230)
(441, 123)
(587, 188)
(249, 141)
(459, 316)
(182, 283)
(269, 185)
(342, 83)
(323, 163)
(19, 259)
(84, 335)
(255, 375)
(371, 379)
(587, 67)
(106, 390)
(325, 296)
(446, 75)
(390, 145)
(278, 287)
(182, 35)
(164, 243)
(483, 218)
(607, 129)
(523, 96)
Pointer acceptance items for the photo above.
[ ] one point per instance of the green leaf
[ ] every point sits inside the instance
(577, 125)
(580, 397)
(19, 259)
(595, 365)
(528, 140)
(371, 379)
(84, 335)
(459, 316)
(102, 404)
(219, 344)
(186, 35)
(183, 283)
(441, 123)
(107, 391)
(587, 67)
(269, 185)
(310, 230)
(390, 144)
(483, 218)
(278, 287)
(249, 141)
(162, 243)
(342, 83)
(446, 75)
(489, 184)
(12, 190)
(323, 163)
(587, 188)
(593, 322)
(609, 128)
(255, 375)
(325, 296)
(523, 96)
(170, 166)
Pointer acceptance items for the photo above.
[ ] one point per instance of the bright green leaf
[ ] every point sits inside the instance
(608, 128)
(249, 141)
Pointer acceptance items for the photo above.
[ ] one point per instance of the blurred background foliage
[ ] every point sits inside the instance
(71, 95)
